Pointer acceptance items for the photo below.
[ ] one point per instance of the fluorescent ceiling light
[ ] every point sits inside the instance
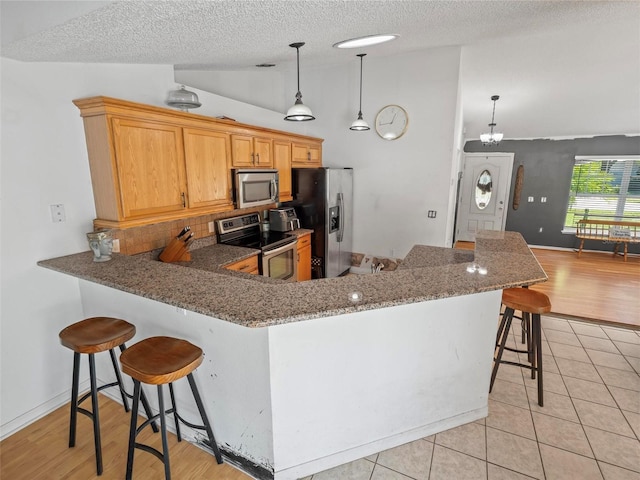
(366, 41)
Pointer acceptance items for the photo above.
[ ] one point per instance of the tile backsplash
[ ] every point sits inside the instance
(151, 237)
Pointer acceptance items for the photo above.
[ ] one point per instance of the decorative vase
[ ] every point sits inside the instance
(101, 242)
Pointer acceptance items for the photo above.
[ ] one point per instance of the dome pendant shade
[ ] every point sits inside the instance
(360, 125)
(182, 99)
(299, 112)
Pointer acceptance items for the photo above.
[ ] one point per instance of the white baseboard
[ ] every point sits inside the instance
(27, 418)
(321, 464)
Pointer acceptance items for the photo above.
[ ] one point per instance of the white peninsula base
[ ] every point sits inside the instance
(291, 400)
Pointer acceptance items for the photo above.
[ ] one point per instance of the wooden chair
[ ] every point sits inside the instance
(532, 304)
(158, 361)
(91, 336)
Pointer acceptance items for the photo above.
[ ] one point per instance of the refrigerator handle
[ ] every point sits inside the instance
(340, 217)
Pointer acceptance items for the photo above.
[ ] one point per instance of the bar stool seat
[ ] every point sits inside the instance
(90, 336)
(532, 304)
(159, 361)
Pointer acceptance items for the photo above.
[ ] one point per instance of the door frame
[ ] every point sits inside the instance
(460, 192)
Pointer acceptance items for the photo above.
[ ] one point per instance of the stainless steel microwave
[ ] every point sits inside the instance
(255, 187)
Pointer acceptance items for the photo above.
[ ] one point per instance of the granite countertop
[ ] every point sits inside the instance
(427, 273)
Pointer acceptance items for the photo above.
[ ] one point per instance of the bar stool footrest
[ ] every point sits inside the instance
(150, 450)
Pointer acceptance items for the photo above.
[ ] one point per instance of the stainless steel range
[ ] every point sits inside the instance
(278, 257)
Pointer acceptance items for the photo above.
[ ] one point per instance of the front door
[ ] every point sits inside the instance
(484, 193)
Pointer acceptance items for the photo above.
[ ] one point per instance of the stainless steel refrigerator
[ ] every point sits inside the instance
(323, 200)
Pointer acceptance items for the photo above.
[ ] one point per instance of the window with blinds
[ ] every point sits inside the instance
(604, 188)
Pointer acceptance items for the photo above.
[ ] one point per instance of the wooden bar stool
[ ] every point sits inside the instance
(157, 361)
(532, 304)
(91, 336)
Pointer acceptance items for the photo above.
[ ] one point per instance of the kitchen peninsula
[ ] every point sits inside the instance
(300, 377)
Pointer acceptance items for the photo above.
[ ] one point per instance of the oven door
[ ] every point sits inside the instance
(281, 262)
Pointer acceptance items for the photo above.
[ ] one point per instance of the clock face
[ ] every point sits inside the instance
(391, 122)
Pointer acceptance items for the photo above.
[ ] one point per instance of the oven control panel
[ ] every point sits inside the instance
(237, 223)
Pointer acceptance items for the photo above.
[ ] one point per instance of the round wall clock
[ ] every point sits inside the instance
(391, 122)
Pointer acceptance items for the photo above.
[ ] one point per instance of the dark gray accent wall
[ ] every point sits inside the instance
(548, 165)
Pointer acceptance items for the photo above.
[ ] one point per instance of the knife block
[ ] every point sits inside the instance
(176, 251)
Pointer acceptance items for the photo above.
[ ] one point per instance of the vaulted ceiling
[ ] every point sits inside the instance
(540, 56)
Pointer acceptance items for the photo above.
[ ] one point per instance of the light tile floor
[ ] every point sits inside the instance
(589, 427)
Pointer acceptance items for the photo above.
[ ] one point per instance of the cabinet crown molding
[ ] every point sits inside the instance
(101, 105)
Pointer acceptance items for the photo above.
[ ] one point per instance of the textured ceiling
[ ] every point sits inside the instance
(562, 68)
(239, 34)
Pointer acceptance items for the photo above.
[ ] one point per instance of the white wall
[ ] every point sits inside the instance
(395, 182)
(44, 162)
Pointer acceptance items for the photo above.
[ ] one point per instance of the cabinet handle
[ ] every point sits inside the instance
(184, 200)
(253, 159)
(258, 155)
(298, 256)
(308, 155)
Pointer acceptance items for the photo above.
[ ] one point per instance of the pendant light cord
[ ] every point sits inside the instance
(298, 67)
(360, 109)
(493, 115)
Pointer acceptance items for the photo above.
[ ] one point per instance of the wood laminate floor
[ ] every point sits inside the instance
(40, 451)
(596, 287)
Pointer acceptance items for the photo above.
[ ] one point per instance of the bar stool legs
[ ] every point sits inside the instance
(90, 336)
(164, 455)
(159, 361)
(533, 351)
(94, 413)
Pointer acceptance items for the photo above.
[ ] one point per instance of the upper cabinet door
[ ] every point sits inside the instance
(150, 167)
(208, 158)
(242, 151)
(282, 162)
(306, 155)
(262, 148)
(251, 152)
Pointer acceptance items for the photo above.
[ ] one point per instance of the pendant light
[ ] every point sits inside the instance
(182, 99)
(360, 125)
(492, 138)
(299, 112)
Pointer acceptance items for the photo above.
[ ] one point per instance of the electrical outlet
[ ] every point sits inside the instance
(57, 213)
(211, 227)
(530, 199)
(116, 245)
(431, 214)
(543, 199)
(540, 230)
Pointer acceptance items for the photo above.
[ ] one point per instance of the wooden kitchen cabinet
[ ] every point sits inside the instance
(282, 162)
(304, 257)
(151, 164)
(248, 265)
(251, 152)
(208, 160)
(306, 154)
(150, 167)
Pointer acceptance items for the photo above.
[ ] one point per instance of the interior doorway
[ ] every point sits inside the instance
(484, 193)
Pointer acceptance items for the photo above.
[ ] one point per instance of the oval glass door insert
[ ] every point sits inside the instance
(483, 189)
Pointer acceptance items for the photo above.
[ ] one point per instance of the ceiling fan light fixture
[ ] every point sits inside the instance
(492, 138)
(299, 112)
(366, 41)
(360, 125)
